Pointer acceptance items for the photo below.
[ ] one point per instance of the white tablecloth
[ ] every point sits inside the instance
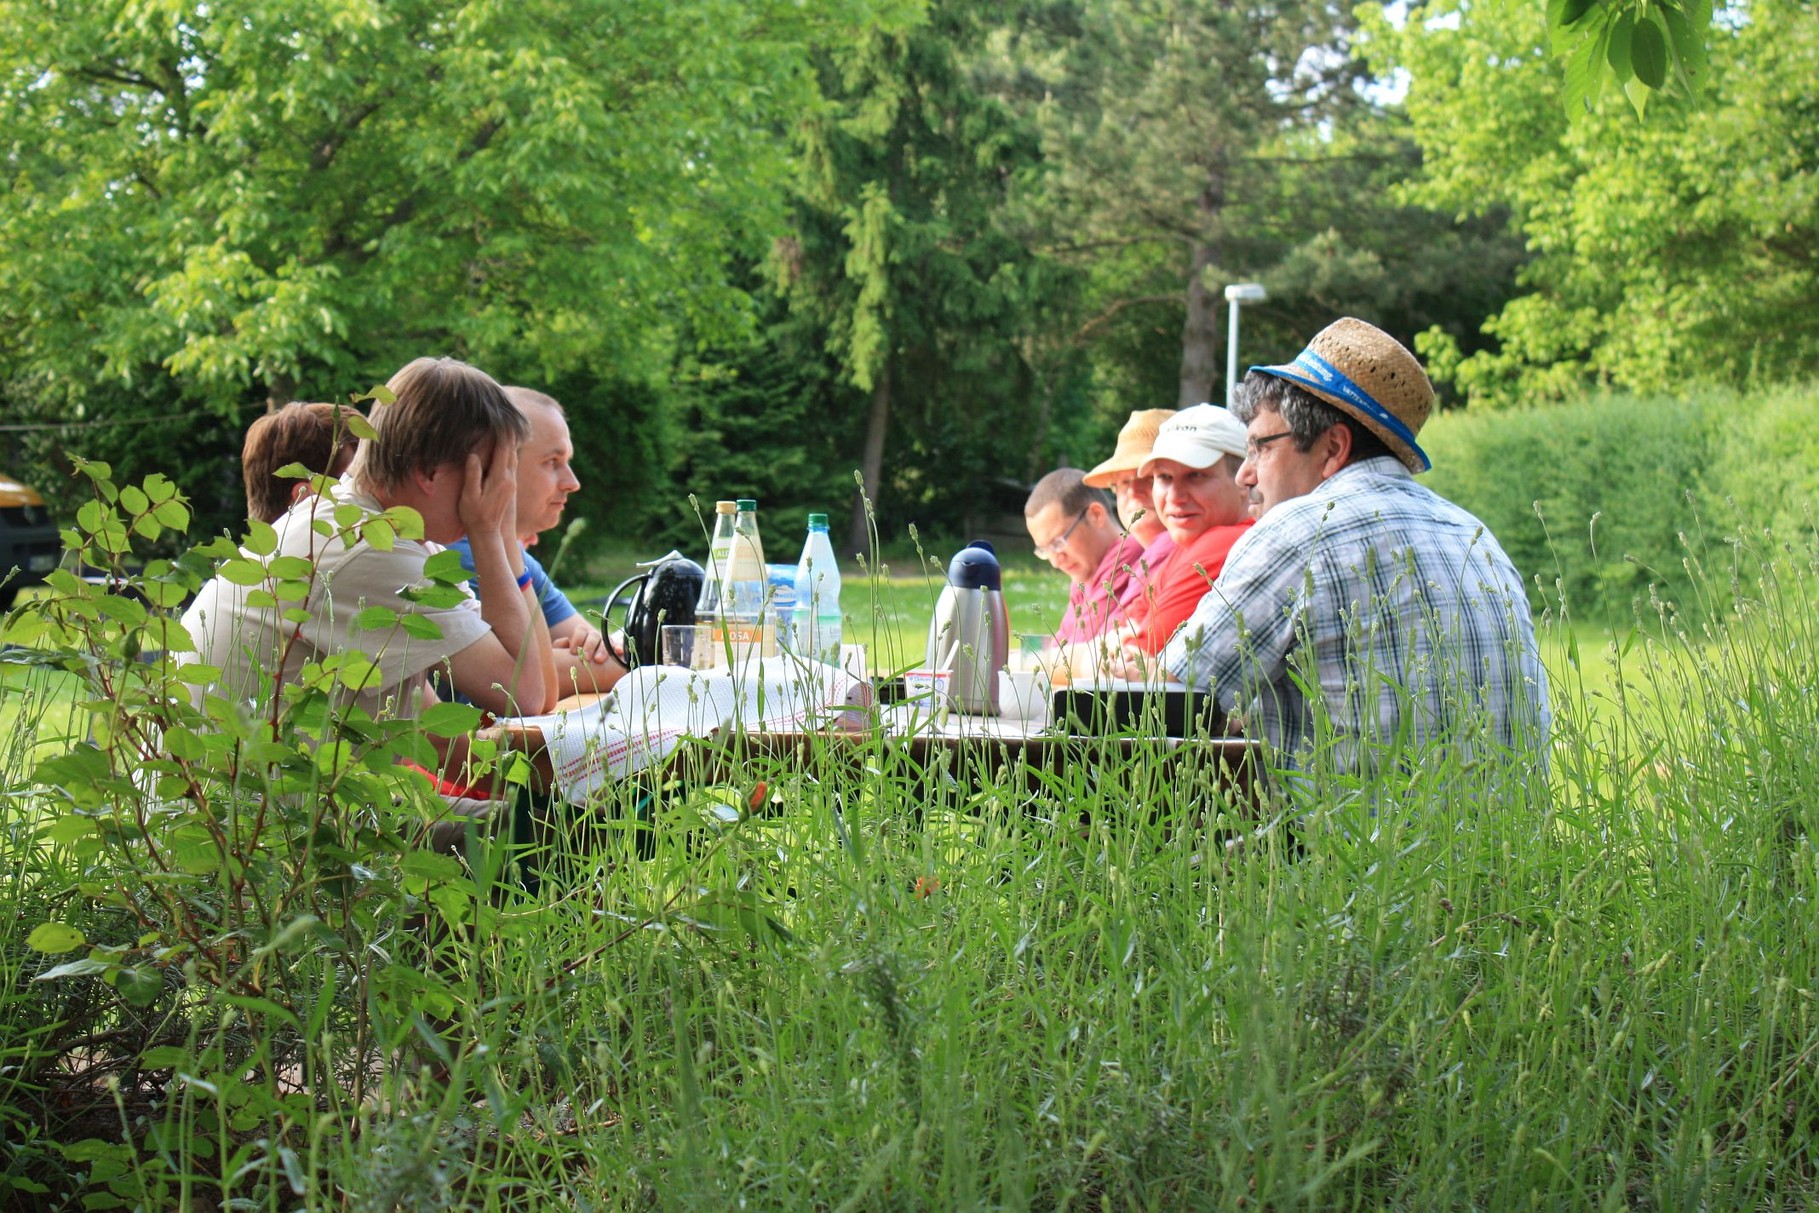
(653, 708)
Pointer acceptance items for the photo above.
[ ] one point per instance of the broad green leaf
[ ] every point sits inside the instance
(1648, 52)
(55, 937)
(133, 499)
(90, 515)
(1687, 34)
(435, 597)
(357, 673)
(450, 719)
(159, 488)
(291, 568)
(361, 428)
(173, 514)
(88, 966)
(183, 744)
(420, 626)
(138, 985)
(379, 534)
(242, 572)
(429, 865)
(445, 567)
(71, 827)
(405, 521)
(375, 618)
(1618, 53)
(260, 539)
(333, 757)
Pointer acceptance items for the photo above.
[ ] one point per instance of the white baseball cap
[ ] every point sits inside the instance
(1198, 438)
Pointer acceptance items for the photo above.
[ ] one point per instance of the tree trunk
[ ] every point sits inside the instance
(1200, 335)
(1200, 343)
(871, 467)
(280, 390)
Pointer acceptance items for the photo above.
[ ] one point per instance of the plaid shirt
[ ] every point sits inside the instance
(1392, 602)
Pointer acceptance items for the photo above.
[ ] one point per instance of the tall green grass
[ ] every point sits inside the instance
(1110, 988)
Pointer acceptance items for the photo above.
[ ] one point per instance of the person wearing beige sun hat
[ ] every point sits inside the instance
(1119, 473)
(1360, 599)
(1122, 473)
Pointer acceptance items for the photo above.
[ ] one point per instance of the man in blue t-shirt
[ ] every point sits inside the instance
(545, 480)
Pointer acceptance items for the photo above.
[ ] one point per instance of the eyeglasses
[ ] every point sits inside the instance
(1254, 447)
(1058, 545)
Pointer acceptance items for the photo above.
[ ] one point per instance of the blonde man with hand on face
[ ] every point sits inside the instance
(546, 479)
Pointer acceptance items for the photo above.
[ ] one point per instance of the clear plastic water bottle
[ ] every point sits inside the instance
(719, 553)
(744, 582)
(817, 616)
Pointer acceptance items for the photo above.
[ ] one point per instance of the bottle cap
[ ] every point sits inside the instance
(725, 507)
(817, 521)
(748, 504)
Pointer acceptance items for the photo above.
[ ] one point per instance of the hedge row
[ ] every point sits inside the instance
(1603, 499)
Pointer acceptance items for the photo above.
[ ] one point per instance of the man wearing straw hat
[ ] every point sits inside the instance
(1393, 606)
(1136, 510)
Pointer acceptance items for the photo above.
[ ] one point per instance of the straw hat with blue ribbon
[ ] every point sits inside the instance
(1365, 373)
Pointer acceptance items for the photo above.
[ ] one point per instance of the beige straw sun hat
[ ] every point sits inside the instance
(1364, 372)
(1134, 443)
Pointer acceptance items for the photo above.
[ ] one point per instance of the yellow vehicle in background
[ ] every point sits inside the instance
(29, 543)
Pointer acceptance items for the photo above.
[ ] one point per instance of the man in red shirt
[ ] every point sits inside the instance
(1192, 468)
(1073, 529)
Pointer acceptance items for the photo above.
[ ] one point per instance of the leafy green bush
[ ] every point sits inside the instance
(1597, 496)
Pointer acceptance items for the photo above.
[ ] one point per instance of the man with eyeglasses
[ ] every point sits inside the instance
(1359, 592)
(1074, 531)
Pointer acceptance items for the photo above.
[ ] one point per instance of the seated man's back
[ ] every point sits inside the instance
(249, 642)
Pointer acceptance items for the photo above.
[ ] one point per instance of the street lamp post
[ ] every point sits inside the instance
(1237, 294)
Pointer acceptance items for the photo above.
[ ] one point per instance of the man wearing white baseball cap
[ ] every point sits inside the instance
(1192, 470)
(1364, 616)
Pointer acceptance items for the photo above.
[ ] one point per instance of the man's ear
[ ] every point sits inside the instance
(426, 480)
(1098, 515)
(1338, 451)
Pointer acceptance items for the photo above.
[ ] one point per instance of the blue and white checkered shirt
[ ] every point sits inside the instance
(1393, 605)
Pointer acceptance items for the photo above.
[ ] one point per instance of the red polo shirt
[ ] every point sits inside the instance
(1178, 585)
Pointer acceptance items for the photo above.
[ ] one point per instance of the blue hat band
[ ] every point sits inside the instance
(1321, 375)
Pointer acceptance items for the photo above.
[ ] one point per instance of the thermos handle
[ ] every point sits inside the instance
(625, 652)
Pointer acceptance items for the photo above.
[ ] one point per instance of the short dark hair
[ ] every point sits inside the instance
(314, 435)
(1306, 415)
(1067, 486)
(443, 410)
